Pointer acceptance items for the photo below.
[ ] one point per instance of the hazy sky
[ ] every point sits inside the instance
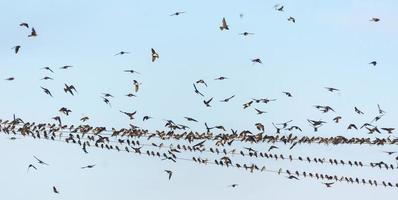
(330, 45)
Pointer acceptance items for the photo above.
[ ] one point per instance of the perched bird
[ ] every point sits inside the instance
(374, 63)
(170, 173)
(207, 103)
(70, 89)
(33, 33)
(292, 19)
(227, 99)
(24, 24)
(197, 91)
(177, 13)
(374, 19)
(122, 53)
(155, 55)
(88, 166)
(48, 68)
(16, 48)
(40, 161)
(224, 25)
(47, 91)
(55, 190)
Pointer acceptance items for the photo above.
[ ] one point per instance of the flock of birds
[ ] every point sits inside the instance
(130, 139)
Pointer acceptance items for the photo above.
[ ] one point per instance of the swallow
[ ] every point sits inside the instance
(49, 69)
(40, 161)
(47, 91)
(66, 67)
(122, 53)
(259, 112)
(197, 91)
(207, 103)
(292, 19)
(33, 33)
(227, 99)
(88, 167)
(202, 82)
(70, 89)
(170, 173)
(16, 48)
(224, 25)
(31, 166)
(24, 24)
(155, 55)
(131, 71)
(177, 13)
(374, 63)
(55, 190)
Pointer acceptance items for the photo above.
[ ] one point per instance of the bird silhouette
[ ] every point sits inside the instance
(207, 103)
(88, 167)
(24, 24)
(40, 161)
(197, 91)
(33, 33)
(224, 25)
(170, 173)
(292, 19)
(55, 190)
(70, 89)
(374, 63)
(122, 53)
(47, 91)
(227, 99)
(155, 55)
(49, 69)
(177, 13)
(16, 48)
(374, 19)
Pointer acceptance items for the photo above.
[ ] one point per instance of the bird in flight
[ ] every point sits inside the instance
(224, 25)
(202, 82)
(131, 71)
(16, 48)
(55, 190)
(136, 85)
(259, 112)
(10, 79)
(293, 177)
(33, 33)
(48, 68)
(197, 91)
(374, 19)
(170, 173)
(88, 167)
(279, 7)
(227, 99)
(220, 78)
(177, 13)
(329, 184)
(330, 89)
(122, 53)
(66, 67)
(47, 78)
(358, 111)
(257, 60)
(382, 112)
(70, 89)
(292, 19)
(246, 33)
(233, 185)
(374, 63)
(155, 55)
(31, 166)
(191, 119)
(24, 24)
(40, 161)
(47, 91)
(207, 103)
(288, 94)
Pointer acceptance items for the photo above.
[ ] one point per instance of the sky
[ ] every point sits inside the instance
(330, 45)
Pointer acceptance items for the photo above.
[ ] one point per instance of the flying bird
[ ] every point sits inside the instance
(224, 25)
(47, 91)
(330, 89)
(374, 63)
(155, 55)
(329, 184)
(279, 7)
(233, 185)
(24, 24)
(246, 33)
(191, 119)
(88, 167)
(197, 91)
(10, 79)
(221, 78)
(31, 166)
(202, 82)
(358, 111)
(33, 33)
(48, 68)
(288, 94)
(207, 103)
(374, 19)
(177, 13)
(16, 48)
(292, 19)
(259, 112)
(170, 173)
(70, 89)
(66, 67)
(40, 161)
(257, 60)
(55, 190)
(136, 85)
(131, 71)
(122, 53)
(227, 99)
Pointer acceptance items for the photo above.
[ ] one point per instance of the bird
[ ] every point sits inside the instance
(337, 119)
(330, 89)
(47, 78)
(288, 94)
(358, 111)
(130, 115)
(224, 25)
(70, 89)
(389, 130)
(374, 63)
(246, 33)
(31, 166)
(390, 152)
(233, 185)
(48, 68)
(257, 60)
(130, 95)
(24, 24)
(106, 101)
(84, 119)
(177, 13)
(279, 7)
(272, 147)
(220, 78)
(107, 95)
(66, 67)
(10, 79)
(33, 33)
(65, 110)
(136, 85)
(380, 110)
(259, 112)
(146, 118)
(293, 177)
(88, 167)
(207, 103)
(202, 82)
(169, 172)
(374, 19)
(47, 91)
(197, 91)
(122, 53)
(227, 99)
(155, 55)
(40, 161)
(55, 190)
(352, 126)
(329, 184)
(292, 19)
(131, 71)
(191, 119)
(16, 48)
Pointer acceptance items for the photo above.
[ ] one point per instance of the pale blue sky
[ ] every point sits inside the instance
(330, 44)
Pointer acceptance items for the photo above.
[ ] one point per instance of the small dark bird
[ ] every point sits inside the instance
(88, 166)
(170, 173)
(130, 115)
(191, 119)
(84, 119)
(146, 118)
(224, 25)
(293, 177)
(66, 67)
(272, 147)
(130, 95)
(374, 19)
(374, 63)
(16, 48)
(48, 68)
(202, 82)
(122, 53)
(10, 79)
(352, 126)
(337, 119)
(55, 190)
(246, 33)
(24, 24)
(259, 112)
(131, 71)
(288, 94)
(329, 184)
(257, 60)
(233, 185)
(31, 166)
(390, 152)
(47, 78)
(47, 91)
(358, 111)
(221, 78)
(227, 99)
(33, 33)
(177, 13)
(40, 161)
(279, 7)
(330, 89)
(197, 91)
(106, 101)
(292, 19)
(382, 112)
(70, 89)
(107, 95)
(155, 55)
(58, 119)
(207, 103)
